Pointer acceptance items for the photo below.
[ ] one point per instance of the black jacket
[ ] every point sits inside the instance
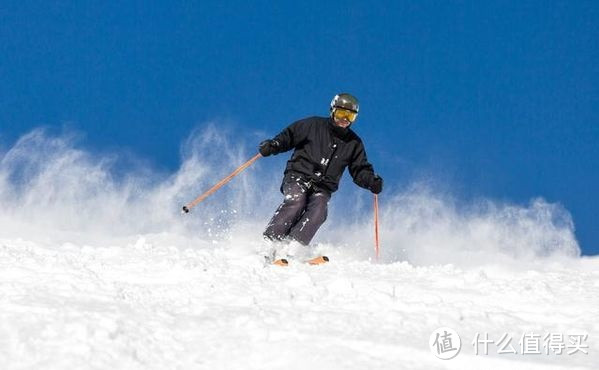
(322, 151)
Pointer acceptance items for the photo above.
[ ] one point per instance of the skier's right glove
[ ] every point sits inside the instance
(268, 147)
(377, 184)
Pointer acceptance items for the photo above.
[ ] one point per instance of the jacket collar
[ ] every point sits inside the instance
(336, 130)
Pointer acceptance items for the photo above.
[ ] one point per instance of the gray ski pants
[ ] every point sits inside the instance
(300, 215)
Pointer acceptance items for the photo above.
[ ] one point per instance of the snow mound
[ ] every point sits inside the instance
(152, 306)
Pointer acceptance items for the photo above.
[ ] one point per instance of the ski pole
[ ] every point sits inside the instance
(222, 182)
(376, 227)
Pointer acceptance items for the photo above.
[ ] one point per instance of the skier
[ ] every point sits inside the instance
(323, 148)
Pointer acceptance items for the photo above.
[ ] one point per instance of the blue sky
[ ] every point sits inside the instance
(492, 99)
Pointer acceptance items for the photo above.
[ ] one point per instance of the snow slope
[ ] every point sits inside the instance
(98, 269)
(151, 306)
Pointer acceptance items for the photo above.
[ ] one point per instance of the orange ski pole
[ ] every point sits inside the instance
(222, 182)
(376, 226)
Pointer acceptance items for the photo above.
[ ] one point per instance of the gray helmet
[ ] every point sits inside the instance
(345, 101)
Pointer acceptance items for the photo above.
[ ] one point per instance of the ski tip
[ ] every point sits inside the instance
(281, 262)
(185, 209)
(318, 260)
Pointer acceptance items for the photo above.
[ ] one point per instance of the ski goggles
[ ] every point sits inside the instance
(340, 113)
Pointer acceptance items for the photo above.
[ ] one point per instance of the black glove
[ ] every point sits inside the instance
(268, 147)
(377, 184)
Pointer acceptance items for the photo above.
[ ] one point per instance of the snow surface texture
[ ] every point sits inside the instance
(100, 270)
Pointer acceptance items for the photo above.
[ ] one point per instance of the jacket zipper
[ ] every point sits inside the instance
(328, 163)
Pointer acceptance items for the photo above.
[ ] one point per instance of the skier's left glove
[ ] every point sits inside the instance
(268, 147)
(377, 184)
